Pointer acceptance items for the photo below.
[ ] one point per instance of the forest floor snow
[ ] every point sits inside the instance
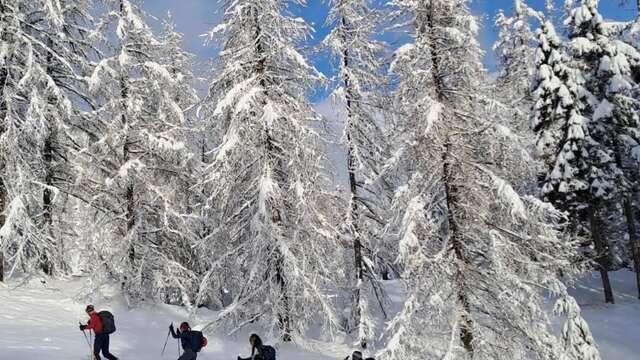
(39, 321)
(615, 327)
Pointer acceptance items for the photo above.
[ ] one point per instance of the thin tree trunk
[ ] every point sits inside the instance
(5, 37)
(451, 189)
(627, 206)
(3, 202)
(126, 153)
(634, 243)
(284, 317)
(452, 201)
(602, 251)
(47, 197)
(355, 211)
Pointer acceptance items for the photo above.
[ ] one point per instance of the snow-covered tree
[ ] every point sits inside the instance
(560, 100)
(476, 254)
(614, 125)
(44, 50)
(277, 242)
(136, 170)
(515, 47)
(357, 56)
(563, 140)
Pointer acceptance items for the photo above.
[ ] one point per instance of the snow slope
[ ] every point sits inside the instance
(39, 321)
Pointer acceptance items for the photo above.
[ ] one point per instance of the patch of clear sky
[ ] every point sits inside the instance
(196, 17)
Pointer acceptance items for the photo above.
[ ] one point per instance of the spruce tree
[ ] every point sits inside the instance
(613, 124)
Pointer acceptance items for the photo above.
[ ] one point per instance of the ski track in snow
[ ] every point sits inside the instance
(40, 321)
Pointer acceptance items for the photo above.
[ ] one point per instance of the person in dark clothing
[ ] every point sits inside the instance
(257, 348)
(101, 342)
(184, 334)
(357, 355)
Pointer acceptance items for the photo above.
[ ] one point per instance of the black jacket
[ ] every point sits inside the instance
(257, 355)
(185, 338)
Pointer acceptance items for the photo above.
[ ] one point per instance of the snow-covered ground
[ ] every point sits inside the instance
(39, 321)
(616, 328)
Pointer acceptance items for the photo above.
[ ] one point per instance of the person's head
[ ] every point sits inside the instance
(185, 326)
(357, 355)
(255, 340)
(89, 309)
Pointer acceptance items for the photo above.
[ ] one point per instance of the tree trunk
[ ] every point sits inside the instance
(284, 316)
(451, 190)
(452, 199)
(602, 253)
(126, 153)
(627, 206)
(3, 202)
(4, 37)
(354, 213)
(634, 243)
(48, 265)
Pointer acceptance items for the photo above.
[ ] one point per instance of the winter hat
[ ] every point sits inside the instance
(357, 355)
(89, 309)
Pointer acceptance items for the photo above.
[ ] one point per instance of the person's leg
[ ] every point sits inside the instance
(188, 355)
(97, 347)
(105, 348)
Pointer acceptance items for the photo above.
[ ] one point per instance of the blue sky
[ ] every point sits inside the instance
(195, 17)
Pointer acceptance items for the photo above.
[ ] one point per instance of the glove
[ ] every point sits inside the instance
(82, 327)
(171, 327)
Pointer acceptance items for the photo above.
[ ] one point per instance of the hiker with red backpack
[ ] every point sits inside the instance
(259, 351)
(192, 341)
(103, 325)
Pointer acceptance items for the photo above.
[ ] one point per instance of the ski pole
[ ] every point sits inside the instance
(93, 355)
(165, 343)
(89, 344)
(86, 338)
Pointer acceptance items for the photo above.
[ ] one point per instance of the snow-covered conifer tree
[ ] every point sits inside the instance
(267, 178)
(43, 50)
(516, 46)
(476, 254)
(137, 169)
(563, 140)
(358, 56)
(607, 62)
(560, 100)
